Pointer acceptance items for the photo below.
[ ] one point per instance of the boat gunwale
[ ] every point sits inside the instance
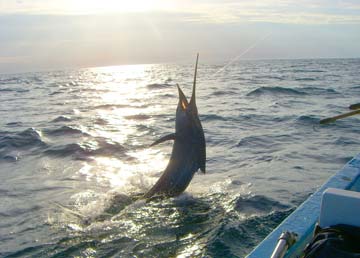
(304, 218)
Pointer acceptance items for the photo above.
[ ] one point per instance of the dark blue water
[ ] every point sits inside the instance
(74, 155)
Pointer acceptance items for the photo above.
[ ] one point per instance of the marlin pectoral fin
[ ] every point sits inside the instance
(168, 137)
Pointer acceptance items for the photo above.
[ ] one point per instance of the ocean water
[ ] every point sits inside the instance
(74, 155)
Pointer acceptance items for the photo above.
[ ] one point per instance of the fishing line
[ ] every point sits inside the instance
(242, 54)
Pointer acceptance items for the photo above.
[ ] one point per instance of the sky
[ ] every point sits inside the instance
(40, 35)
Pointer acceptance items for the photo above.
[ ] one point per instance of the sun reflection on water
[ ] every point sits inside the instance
(125, 175)
(122, 104)
(121, 94)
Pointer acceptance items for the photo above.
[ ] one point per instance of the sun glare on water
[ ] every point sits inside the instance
(119, 95)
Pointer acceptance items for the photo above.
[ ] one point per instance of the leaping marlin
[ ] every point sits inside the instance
(189, 151)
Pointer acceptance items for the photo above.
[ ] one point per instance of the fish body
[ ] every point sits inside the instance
(189, 149)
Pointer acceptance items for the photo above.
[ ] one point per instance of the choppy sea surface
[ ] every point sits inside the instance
(74, 155)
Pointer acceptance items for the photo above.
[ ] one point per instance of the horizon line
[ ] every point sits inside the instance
(170, 62)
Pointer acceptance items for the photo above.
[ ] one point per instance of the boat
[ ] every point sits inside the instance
(338, 194)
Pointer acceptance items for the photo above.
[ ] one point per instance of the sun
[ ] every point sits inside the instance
(113, 6)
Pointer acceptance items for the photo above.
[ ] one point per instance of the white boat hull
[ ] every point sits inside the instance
(304, 218)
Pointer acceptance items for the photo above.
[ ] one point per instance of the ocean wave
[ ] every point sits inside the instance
(223, 92)
(55, 93)
(66, 150)
(10, 193)
(292, 91)
(64, 130)
(145, 129)
(138, 117)
(13, 124)
(242, 118)
(156, 86)
(264, 144)
(6, 89)
(61, 119)
(229, 236)
(28, 137)
(111, 106)
(99, 147)
(242, 79)
(167, 95)
(213, 118)
(328, 159)
(258, 204)
(22, 90)
(271, 77)
(275, 90)
(11, 80)
(72, 83)
(312, 120)
(344, 141)
(108, 148)
(319, 91)
(41, 250)
(100, 121)
(79, 90)
(8, 158)
(253, 141)
(305, 79)
(19, 211)
(14, 90)
(308, 71)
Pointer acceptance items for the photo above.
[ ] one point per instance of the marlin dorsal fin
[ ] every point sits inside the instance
(165, 138)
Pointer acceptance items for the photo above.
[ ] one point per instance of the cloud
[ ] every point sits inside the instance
(14, 59)
(30, 39)
(206, 11)
(280, 11)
